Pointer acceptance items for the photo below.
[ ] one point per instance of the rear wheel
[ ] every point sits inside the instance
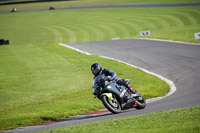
(112, 105)
(141, 102)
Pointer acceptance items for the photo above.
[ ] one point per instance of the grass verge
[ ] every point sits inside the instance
(184, 120)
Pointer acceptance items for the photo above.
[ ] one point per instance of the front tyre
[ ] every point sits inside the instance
(113, 106)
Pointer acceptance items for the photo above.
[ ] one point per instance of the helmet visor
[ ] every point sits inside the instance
(95, 71)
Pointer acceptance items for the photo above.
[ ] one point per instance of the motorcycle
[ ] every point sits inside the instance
(116, 97)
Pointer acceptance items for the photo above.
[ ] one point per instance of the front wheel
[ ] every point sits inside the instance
(112, 105)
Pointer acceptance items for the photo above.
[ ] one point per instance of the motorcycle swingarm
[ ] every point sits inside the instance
(128, 105)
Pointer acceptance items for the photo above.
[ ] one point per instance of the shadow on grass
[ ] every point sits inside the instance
(82, 117)
(48, 118)
(71, 119)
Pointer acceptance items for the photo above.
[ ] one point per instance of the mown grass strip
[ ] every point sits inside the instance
(184, 120)
(97, 24)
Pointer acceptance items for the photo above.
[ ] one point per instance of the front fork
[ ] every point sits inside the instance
(109, 95)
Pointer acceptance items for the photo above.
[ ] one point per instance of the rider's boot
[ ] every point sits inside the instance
(131, 89)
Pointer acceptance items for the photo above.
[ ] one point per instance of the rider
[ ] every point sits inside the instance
(97, 70)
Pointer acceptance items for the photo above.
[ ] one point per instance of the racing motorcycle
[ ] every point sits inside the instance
(116, 97)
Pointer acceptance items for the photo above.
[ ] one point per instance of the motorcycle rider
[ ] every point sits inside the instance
(97, 70)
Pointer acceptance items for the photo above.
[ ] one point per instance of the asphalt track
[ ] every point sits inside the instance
(179, 62)
(116, 6)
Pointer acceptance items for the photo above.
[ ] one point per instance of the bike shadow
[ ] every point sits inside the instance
(82, 117)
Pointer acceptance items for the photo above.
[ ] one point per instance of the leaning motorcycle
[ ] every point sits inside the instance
(115, 97)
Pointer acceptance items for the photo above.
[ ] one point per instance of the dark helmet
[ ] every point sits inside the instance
(96, 69)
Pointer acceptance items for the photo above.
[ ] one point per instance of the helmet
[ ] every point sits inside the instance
(96, 69)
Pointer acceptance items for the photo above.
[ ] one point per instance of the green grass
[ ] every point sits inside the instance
(39, 79)
(174, 121)
(178, 24)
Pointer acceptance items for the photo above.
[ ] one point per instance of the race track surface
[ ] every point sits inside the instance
(178, 62)
(175, 61)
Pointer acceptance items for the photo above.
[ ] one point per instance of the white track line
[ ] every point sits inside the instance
(169, 82)
(168, 41)
(75, 49)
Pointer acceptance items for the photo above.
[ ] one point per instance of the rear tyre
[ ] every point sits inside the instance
(141, 102)
(113, 106)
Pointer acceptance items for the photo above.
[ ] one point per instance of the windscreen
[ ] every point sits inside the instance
(98, 80)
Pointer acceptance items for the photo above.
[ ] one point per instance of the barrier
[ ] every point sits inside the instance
(197, 35)
(145, 33)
